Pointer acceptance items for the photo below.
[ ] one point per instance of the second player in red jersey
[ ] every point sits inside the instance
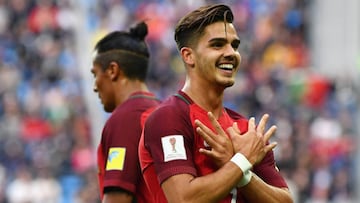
(119, 67)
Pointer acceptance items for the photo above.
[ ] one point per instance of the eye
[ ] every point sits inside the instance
(93, 74)
(235, 45)
(217, 44)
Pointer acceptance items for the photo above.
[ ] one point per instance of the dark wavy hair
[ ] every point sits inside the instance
(191, 27)
(128, 49)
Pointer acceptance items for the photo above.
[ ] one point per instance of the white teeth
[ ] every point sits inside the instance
(226, 66)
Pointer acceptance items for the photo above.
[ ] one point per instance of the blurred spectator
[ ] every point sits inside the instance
(19, 189)
(45, 187)
(42, 16)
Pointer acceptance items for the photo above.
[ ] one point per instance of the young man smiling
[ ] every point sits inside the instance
(185, 154)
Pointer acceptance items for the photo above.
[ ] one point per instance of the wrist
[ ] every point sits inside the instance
(245, 179)
(243, 163)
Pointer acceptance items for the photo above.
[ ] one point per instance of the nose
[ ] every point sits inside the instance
(230, 51)
(231, 54)
(95, 89)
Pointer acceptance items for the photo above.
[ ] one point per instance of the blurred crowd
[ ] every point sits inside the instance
(46, 149)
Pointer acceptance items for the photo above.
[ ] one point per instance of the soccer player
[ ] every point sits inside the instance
(120, 67)
(181, 149)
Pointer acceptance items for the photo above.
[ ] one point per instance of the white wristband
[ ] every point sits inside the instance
(245, 179)
(241, 161)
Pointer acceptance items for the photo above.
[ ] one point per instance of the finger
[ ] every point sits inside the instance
(205, 136)
(206, 152)
(270, 147)
(236, 128)
(204, 127)
(270, 132)
(262, 124)
(216, 124)
(205, 133)
(251, 124)
(232, 132)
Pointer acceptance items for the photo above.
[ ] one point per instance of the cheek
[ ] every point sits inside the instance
(98, 83)
(205, 62)
(239, 58)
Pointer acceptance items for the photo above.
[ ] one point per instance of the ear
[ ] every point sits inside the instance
(188, 56)
(114, 71)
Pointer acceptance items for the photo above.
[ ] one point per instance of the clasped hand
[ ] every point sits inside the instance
(253, 144)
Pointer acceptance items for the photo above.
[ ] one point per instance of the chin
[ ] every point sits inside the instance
(226, 81)
(108, 109)
(229, 83)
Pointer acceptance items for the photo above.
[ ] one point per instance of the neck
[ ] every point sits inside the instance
(208, 98)
(128, 88)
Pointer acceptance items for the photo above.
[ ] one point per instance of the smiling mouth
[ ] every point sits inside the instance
(227, 67)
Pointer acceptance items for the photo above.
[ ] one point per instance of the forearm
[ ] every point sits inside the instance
(209, 188)
(259, 191)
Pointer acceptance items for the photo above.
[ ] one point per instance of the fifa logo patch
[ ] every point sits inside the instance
(173, 148)
(116, 158)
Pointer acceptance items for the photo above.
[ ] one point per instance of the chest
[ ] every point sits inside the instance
(204, 164)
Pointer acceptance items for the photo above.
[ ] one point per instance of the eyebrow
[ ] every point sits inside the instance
(220, 39)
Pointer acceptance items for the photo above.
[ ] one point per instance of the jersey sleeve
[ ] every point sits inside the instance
(168, 136)
(120, 141)
(268, 171)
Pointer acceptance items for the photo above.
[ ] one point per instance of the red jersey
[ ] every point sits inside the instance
(118, 161)
(170, 145)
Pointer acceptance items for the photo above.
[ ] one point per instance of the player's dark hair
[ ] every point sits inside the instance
(191, 27)
(128, 49)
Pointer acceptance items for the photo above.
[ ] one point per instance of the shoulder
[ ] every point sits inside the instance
(170, 117)
(171, 108)
(134, 107)
(234, 115)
